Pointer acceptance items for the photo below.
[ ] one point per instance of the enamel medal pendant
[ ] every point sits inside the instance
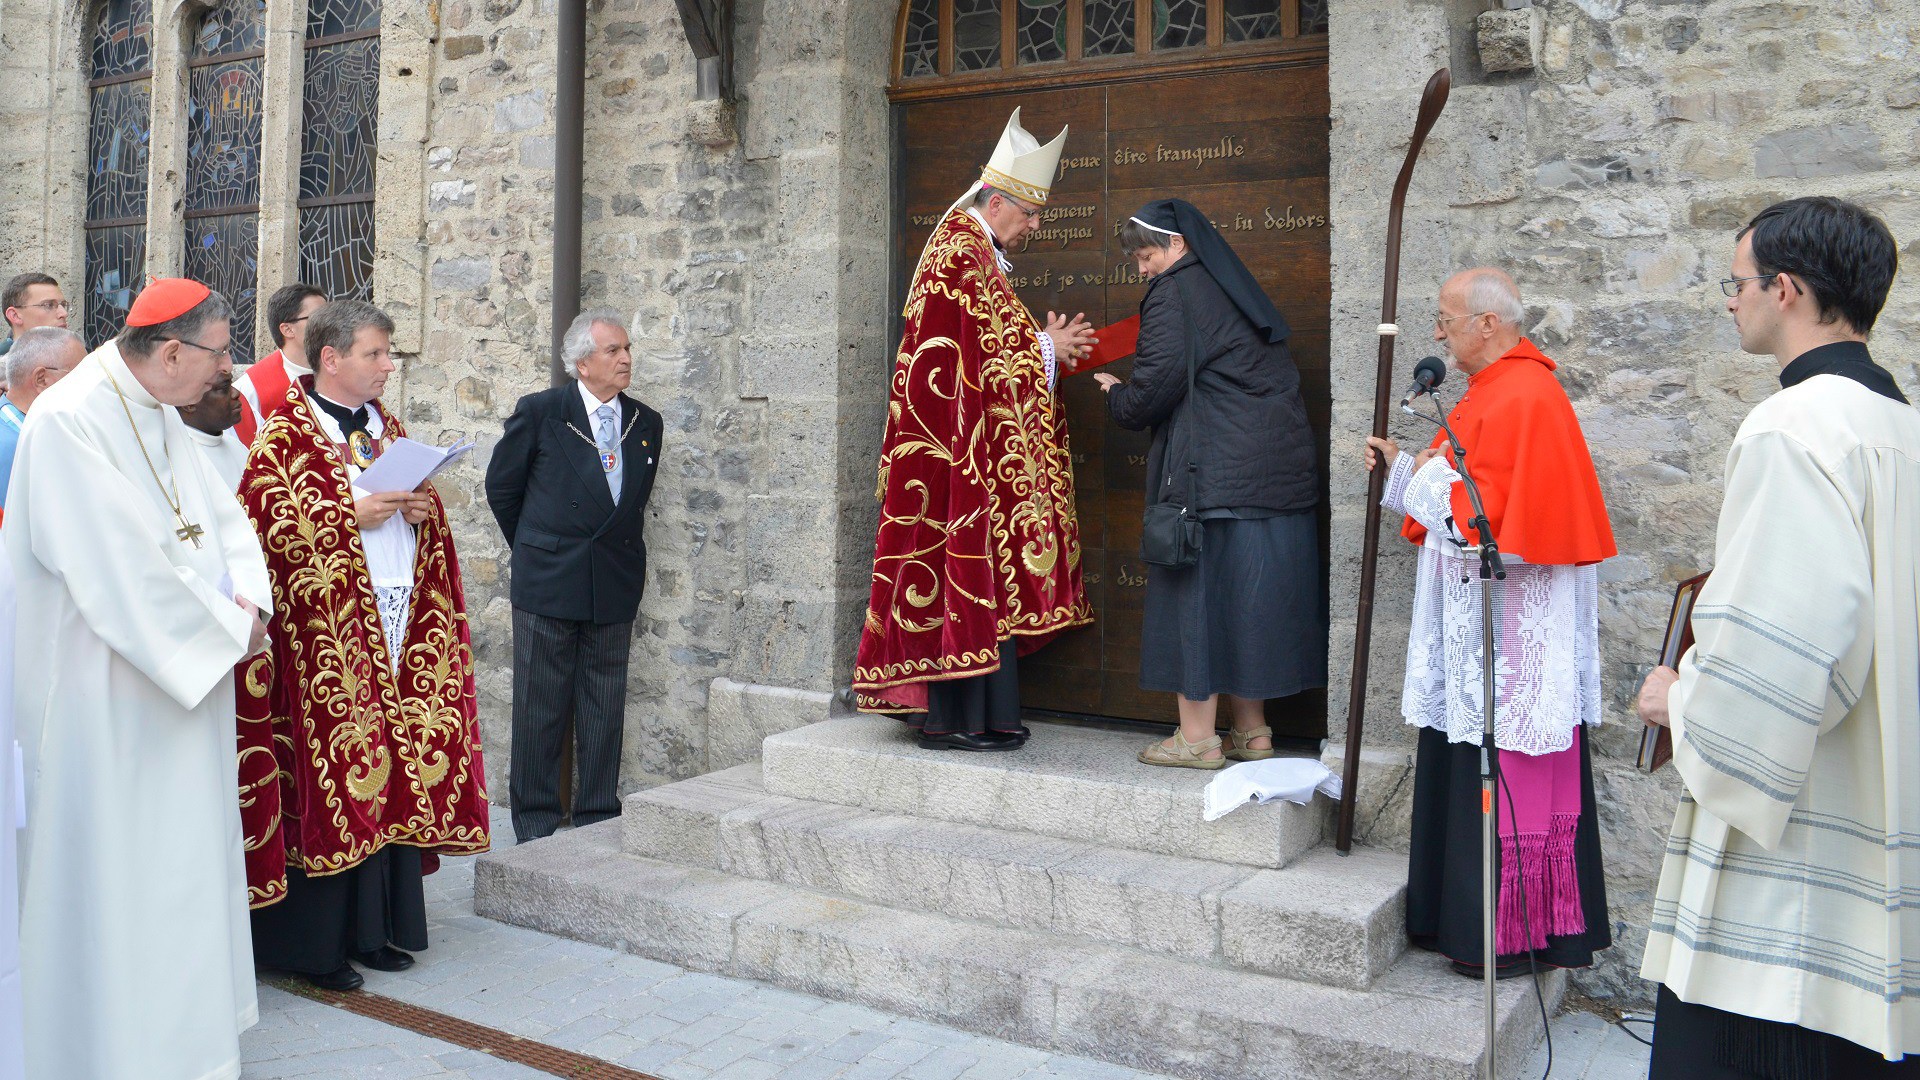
(607, 461)
(360, 449)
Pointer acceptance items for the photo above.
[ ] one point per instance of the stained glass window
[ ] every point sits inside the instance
(341, 107)
(1251, 20)
(1042, 31)
(232, 27)
(336, 249)
(922, 53)
(120, 123)
(1108, 27)
(224, 101)
(224, 252)
(117, 151)
(116, 259)
(1179, 24)
(1313, 16)
(123, 39)
(331, 18)
(976, 35)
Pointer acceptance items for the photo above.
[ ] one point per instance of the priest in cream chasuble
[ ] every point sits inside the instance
(364, 707)
(977, 557)
(138, 577)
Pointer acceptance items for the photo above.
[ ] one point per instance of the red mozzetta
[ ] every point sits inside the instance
(1526, 452)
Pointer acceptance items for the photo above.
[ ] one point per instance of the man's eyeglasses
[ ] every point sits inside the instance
(217, 353)
(1731, 286)
(1440, 321)
(1031, 213)
(51, 305)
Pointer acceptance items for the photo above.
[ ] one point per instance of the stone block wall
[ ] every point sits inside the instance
(1609, 182)
(746, 243)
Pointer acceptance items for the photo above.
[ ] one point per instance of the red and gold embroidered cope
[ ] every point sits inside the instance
(340, 754)
(978, 542)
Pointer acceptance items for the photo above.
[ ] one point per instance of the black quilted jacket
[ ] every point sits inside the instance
(1253, 446)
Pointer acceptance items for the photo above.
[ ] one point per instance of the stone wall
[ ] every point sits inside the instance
(1609, 180)
(747, 245)
(43, 139)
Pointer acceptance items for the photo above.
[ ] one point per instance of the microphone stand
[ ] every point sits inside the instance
(1492, 569)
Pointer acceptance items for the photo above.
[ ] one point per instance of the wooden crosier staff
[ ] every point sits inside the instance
(1432, 100)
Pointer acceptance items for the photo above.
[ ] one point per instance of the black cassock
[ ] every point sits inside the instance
(323, 920)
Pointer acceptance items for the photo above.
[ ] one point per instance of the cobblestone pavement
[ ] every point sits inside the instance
(681, 1025)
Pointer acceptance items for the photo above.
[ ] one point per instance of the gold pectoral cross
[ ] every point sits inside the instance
(188, 531)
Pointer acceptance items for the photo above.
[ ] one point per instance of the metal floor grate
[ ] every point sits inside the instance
(464, 1033)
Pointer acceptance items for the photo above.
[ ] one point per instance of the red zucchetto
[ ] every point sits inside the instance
(165, 300)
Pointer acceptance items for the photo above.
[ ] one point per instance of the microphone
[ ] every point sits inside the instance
(1430, 372)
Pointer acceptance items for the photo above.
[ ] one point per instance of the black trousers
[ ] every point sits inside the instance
(1698, 1042)
(977, 704)
(322, 920)
(566, 670)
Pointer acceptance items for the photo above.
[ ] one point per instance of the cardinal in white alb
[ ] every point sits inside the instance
(137, 579)
(12, 1067)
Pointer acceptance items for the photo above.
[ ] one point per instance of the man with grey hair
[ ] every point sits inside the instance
(140, 585)
(38, 359)
(1544, 508)
(569, 483)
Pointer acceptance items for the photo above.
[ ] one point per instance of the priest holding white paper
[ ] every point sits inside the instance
(365, 707)
(137, 580)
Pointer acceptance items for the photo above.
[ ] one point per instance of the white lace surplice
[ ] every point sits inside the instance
(1548, 677)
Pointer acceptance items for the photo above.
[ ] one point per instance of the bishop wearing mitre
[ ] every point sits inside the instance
(364, 709)
(139, 586)
(977, 558)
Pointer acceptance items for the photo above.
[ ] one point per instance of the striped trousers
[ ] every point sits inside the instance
(566, 670)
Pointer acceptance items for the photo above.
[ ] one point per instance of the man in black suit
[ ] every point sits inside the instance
(569, 483)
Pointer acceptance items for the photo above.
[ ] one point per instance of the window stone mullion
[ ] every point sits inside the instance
(167, 161)
(283, 70)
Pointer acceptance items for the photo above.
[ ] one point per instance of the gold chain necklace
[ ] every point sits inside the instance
(188, 532)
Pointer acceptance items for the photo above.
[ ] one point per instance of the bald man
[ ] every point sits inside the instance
(37, 360)
(1525, 450)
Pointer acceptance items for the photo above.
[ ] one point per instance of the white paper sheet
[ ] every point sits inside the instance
(405, 465)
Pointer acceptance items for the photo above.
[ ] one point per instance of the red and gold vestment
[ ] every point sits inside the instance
(978, 542)
(364, 752)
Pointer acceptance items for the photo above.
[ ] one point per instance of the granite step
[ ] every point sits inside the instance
(1122, 1005)
(1325, 919)
(1075, 783)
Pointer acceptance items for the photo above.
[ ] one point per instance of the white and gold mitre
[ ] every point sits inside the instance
(1020, 166)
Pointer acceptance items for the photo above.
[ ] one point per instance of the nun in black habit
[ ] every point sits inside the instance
(1246, 621)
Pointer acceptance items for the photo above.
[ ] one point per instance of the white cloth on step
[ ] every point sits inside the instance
(1294, 779)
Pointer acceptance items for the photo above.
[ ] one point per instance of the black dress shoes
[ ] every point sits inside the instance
(385, 958)
(1515, 970)
(961, 740)
(342, 979)
(1023, 732)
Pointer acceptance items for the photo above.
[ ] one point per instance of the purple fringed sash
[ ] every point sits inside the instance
(1536, 848)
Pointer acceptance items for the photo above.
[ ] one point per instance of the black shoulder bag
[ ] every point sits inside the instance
(1171, 534)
